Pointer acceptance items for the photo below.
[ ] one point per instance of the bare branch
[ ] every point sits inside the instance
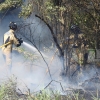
(54, 38)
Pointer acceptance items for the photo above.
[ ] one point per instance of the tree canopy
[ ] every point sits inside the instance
(59, 15)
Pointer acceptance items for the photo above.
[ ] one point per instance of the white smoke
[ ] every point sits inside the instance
(34, 74)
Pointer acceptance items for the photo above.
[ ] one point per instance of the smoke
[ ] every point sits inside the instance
(35, 73)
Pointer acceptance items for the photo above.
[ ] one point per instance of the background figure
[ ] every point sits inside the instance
(10, 39)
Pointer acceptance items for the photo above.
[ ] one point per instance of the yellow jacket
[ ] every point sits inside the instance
(9, 37)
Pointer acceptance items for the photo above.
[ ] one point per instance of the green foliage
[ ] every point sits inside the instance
(2, 92)
(26, 10)
(95, 97)
(82, 13)
(9, 87)
(8, 90)
(7, 4)
(45, 95)
(27, 55)
(51, 10)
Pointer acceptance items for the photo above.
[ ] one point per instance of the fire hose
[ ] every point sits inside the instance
(5, 44)
(20, 41)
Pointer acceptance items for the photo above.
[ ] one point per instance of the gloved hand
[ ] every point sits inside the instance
(20, 40)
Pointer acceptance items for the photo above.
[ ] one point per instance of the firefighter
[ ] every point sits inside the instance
(10, 37)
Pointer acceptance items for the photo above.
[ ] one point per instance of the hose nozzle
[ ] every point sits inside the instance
(20, 40)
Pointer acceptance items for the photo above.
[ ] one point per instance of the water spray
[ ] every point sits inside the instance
(32, 48)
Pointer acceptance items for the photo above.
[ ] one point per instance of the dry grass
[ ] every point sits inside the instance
(9, 91)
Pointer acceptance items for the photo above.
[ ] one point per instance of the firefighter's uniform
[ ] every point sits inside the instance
(7, 50)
